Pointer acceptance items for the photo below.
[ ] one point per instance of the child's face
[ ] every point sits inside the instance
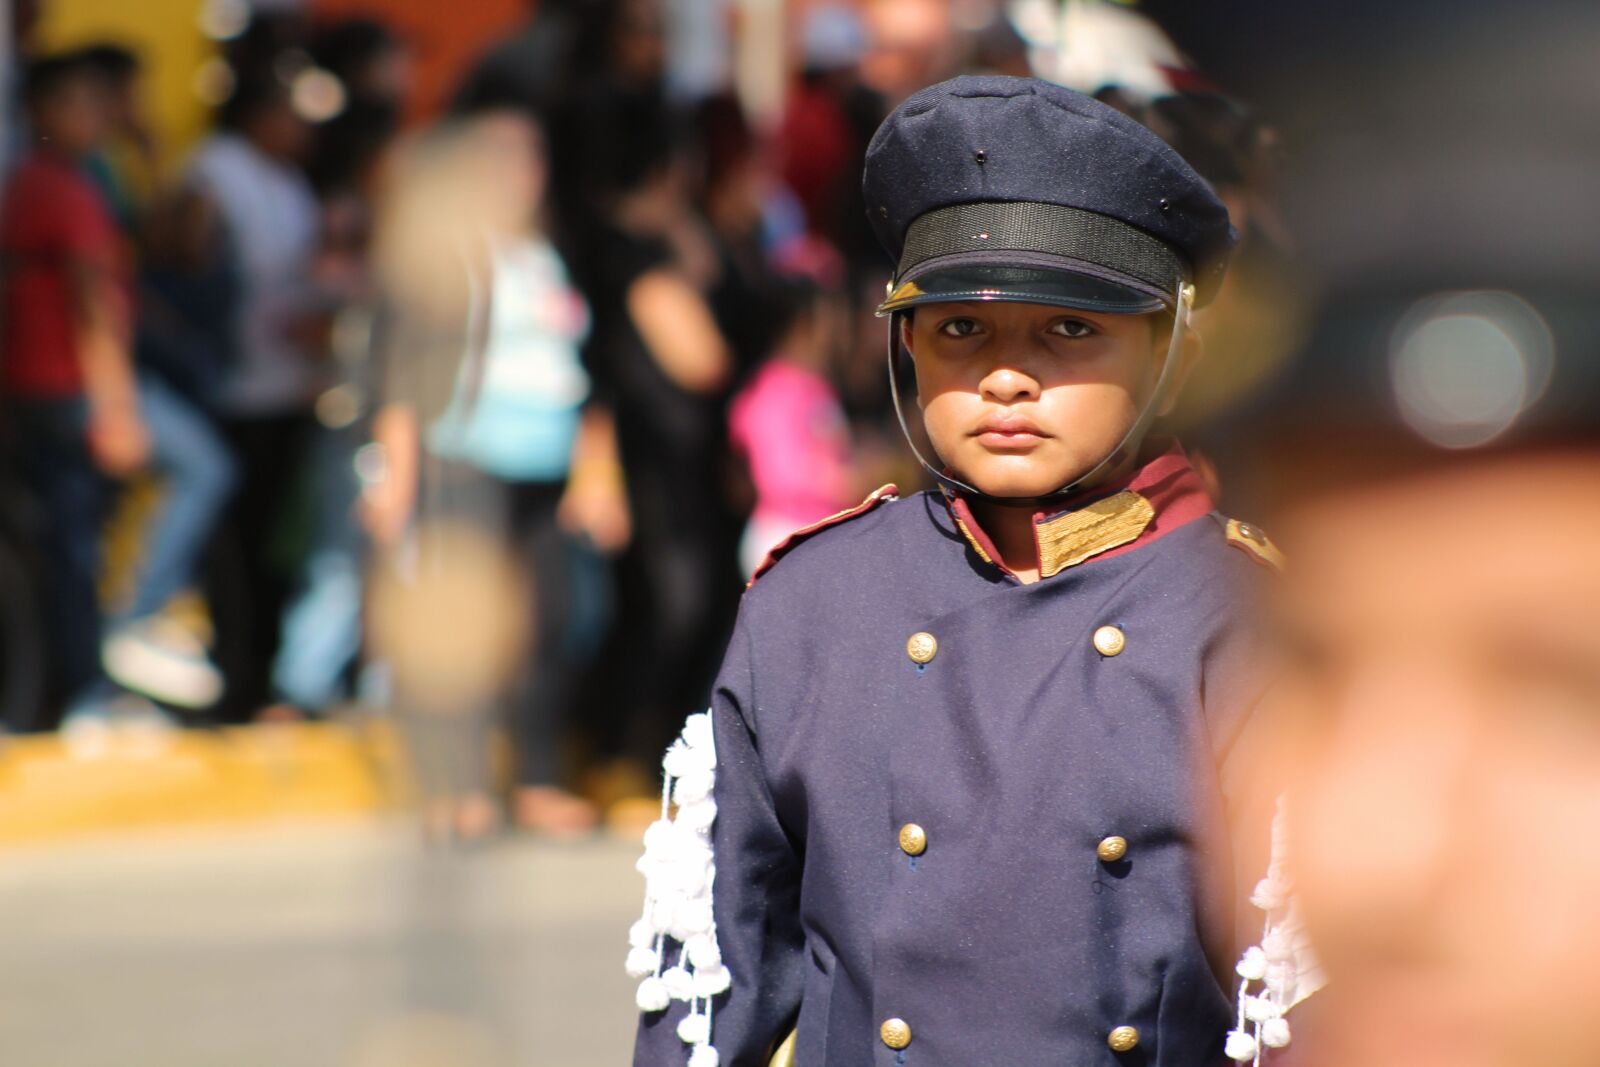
(1020, 399)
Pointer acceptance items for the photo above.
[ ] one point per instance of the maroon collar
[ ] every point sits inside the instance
(1168, 483)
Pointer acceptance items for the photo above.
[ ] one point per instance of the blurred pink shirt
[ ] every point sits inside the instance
(789, 423)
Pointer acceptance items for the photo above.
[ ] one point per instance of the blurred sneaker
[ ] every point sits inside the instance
(87, 733)
(115, 722)
(162, 660)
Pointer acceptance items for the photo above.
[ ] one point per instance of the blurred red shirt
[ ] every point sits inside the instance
(52, 219)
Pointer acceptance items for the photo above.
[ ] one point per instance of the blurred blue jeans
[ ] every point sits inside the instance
(321, 634)
(198, 474)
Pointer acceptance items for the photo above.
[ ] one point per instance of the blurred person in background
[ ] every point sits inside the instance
(488, 428)
(126, 166)
(250, 173)
(151, 649)
(662, 365)
(789, 424)
(373, 67)
(743, 218)
(828, 119)
(70, 386)
(366, 70)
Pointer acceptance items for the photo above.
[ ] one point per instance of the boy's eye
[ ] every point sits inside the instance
(1072, 328)
(959, 327)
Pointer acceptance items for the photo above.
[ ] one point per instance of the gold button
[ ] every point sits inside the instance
(896, 1033)
(1123, 1039)
(1112, 849)
(1108, 641)
(921, 647)
(913, 839)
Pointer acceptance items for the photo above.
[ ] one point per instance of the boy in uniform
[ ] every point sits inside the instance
(964, 782)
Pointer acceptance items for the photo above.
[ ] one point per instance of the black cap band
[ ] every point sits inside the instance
(1084, 241)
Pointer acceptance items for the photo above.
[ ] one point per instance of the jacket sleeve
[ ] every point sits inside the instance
(754, 882)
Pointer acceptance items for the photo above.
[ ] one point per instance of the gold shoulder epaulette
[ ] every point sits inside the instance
(1254, 541)
(880, 495)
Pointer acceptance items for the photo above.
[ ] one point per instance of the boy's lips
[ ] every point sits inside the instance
(1009, 430)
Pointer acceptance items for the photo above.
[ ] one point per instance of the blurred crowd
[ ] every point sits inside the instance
(482, 423)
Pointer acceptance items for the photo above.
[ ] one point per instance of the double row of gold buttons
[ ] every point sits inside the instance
(922, 647)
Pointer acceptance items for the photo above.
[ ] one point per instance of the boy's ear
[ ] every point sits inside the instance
(1191, 349)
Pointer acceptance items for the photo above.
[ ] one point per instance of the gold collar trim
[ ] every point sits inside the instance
(1067, 540)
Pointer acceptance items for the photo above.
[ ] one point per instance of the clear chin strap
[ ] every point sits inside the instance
(1128, 445)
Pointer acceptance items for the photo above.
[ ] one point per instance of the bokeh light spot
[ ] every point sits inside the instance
(1464, 367)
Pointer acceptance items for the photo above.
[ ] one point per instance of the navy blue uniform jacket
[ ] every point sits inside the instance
(1018, 748)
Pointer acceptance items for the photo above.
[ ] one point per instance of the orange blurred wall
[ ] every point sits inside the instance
(445, 36)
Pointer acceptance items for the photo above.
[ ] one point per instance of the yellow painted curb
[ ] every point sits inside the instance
(55, 786)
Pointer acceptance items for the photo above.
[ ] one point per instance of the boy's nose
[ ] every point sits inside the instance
(1007, 385)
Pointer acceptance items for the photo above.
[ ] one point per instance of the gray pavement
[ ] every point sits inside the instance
(343, 945)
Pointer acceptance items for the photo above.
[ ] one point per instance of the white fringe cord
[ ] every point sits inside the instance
(1283, 965)
(679, 869)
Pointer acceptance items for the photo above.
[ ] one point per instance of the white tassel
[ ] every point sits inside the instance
(711, 981)
(698, 815)
(679, 983)
(699, 735)
(642, 961)
(1260, 1009)
(1270, 895)
(703, 951)
(1278, 944)
(652, 995)
(693, 787)
(1282, 963)
(679, 870)
(1241, 1047)
(694, 1029)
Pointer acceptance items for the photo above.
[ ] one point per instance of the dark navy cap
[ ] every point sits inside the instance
(999, 188)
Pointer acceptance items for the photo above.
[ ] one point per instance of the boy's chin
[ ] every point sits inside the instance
(1018, 484)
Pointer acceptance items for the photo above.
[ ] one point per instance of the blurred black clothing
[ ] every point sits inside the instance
(74, 498)
(257, 554)
(678, 582)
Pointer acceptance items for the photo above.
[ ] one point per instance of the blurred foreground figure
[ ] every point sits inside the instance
(1447, 680)
(1435, 464)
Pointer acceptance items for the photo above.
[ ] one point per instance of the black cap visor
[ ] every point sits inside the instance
(1082, 287)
